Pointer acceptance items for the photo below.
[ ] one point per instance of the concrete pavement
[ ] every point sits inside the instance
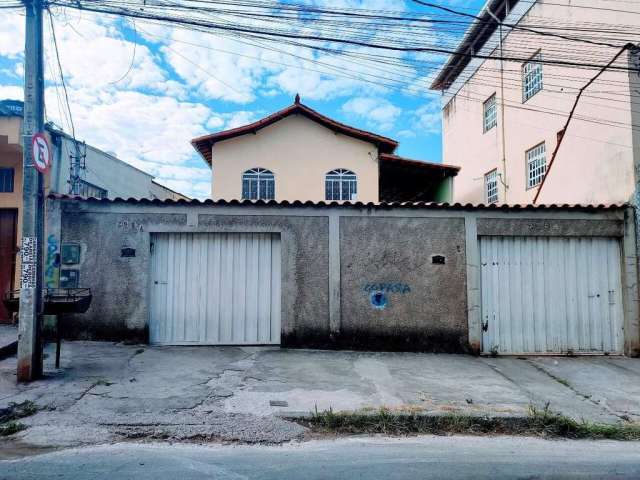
(108, 392)
(351, 458)
(8, 340)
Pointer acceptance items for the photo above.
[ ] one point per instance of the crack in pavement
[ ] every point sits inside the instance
(568, 385)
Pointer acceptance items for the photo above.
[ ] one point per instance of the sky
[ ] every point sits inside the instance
(142, 91)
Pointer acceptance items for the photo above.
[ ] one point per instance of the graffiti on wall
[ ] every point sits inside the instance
(52, 264)
(379, 292)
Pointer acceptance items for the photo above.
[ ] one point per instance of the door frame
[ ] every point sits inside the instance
(153, 234)
(14, 243)
(623, 293)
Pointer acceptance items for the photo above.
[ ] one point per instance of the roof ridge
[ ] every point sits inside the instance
(204, 143)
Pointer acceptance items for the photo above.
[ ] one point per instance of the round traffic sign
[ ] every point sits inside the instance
(41, 152)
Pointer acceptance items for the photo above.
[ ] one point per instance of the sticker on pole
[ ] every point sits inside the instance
(41, 152)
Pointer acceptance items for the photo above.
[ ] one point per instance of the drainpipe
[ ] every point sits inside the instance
(503, 180)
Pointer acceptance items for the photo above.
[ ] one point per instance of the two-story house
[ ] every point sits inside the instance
(509, 88)
(94, 174)
(298, 154)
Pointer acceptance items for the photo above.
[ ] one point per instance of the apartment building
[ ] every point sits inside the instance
(508, 91)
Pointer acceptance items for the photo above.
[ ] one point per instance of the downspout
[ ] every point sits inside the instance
(503, 180)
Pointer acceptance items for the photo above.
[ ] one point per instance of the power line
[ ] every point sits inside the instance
(284, 34)
(133, 55)
(64, 84)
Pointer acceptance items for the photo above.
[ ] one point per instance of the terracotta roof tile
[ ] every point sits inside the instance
(379, 205)
(204, 143)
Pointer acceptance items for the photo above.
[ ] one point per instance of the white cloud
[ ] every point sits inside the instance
(375, 111)
(11, 34)
(114, 62)
(406, 134)
(427, 118)
(139, 126)
(239, 118)
(148, 117)
(11, 92)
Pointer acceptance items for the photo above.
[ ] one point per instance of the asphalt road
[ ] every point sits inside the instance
(350, 458)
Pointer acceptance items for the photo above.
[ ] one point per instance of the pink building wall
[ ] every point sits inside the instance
(595, 163)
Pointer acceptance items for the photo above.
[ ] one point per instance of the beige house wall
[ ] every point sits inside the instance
(299, 152)
(595, 161)
(11, 157)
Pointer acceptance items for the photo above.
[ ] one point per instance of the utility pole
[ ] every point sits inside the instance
(77, 164)
(29, 342)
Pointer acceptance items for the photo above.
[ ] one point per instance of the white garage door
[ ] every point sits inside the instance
(215, 289)
(551, 295)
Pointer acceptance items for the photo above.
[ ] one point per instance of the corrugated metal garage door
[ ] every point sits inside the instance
(215, 289)
(551, 295)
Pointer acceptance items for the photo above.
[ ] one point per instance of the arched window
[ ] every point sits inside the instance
(341, 184)
(258, 184)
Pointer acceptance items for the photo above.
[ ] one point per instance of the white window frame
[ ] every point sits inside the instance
(491, 186)
(258, 184)
(489, 113)
(536, 159)
(532, 77)
(340, 185)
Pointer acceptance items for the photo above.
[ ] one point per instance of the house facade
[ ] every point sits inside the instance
(100, 175)
(297, 154)
(511, 98)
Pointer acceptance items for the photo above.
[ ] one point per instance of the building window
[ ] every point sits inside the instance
(536, 165)
(341, 184)
(532, 77)
(6, 180)
(491, 186)
(87, 189)
(258, 184)
(490, 113)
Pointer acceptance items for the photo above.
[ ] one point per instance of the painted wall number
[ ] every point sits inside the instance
(130, 226)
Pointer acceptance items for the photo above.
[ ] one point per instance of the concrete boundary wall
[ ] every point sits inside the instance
(334, 258)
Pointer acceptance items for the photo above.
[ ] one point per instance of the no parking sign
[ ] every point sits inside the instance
(41, 152)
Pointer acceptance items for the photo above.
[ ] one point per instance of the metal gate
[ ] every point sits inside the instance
(551, 295)
(215, 289)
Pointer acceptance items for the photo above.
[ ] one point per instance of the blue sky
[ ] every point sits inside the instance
(146, 107)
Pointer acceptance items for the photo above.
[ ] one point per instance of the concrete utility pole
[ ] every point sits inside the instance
(29, 344)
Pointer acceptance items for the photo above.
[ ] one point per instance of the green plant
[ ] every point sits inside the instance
(10, 428)
(15, 411)
(539, 422)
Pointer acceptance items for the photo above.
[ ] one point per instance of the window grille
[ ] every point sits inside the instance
(536, 165)
(532, 77)
(491, 186)
(490, 113)
(341, 184)
(258, 184)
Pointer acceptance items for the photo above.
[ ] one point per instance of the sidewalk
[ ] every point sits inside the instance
(8, 340)
(107, 392)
